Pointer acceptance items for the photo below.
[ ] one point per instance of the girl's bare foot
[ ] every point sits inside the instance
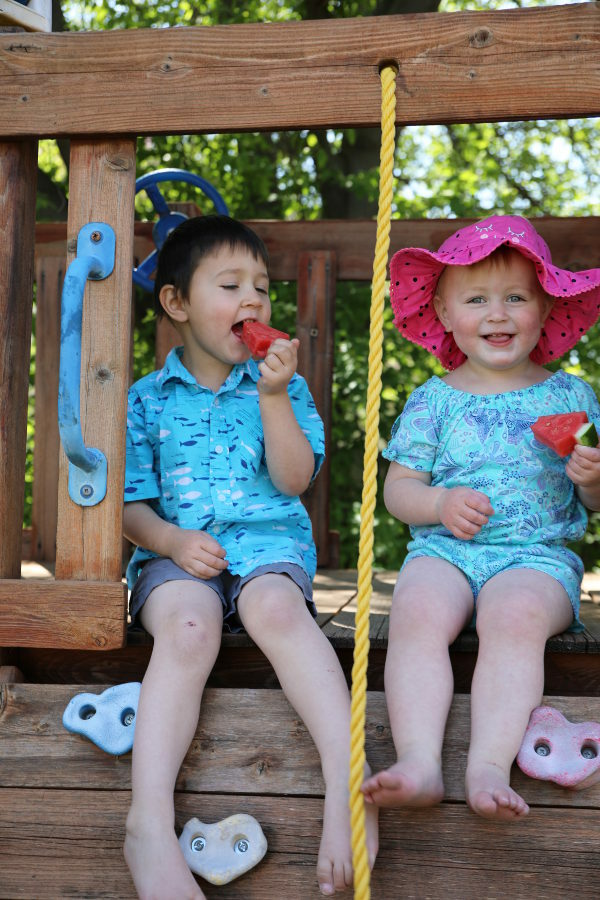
(490, 795)
(334, 863)
(412, 781)
(157, 865)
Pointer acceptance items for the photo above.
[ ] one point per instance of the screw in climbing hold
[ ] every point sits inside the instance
(198, 844)
(241, 846)
(542, 749)
(86, 490)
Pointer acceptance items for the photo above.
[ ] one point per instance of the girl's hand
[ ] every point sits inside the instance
(464, 511)
(583, 467)
(278, 366)
(197, 552)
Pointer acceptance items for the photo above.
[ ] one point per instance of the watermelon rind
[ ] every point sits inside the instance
(587, 435)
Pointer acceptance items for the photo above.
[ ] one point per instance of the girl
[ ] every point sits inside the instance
(490, 509)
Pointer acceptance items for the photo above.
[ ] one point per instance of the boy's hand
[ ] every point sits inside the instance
(464, 511)
(583, 467)
(198, 553)
(278, 366)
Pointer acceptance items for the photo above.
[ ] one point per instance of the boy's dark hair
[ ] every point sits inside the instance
(194, 239)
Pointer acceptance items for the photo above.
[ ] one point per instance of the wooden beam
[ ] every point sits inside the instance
(250, 740)
(574, 242)
(68, 843)
(65, 614)
(453, 67)
(102, 185)
(18, 168)
(315, 326)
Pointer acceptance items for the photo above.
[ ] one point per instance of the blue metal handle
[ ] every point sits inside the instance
(87, 465)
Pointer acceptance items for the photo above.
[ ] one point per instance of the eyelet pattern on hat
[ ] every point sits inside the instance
(414, 274)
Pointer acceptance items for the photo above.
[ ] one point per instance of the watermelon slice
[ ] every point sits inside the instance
(559, 431)
(258, 337)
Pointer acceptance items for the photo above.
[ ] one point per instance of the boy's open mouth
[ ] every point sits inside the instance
(237, 328)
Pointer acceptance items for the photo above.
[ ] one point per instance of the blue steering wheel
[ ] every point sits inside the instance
(168, 220)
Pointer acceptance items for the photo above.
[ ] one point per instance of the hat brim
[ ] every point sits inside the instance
(414, 274)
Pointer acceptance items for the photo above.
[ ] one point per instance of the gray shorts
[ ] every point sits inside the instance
(160, 569)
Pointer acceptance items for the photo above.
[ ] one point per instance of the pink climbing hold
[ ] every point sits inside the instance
(555, 749)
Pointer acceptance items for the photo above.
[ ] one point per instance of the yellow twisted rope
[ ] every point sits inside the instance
(362, 889)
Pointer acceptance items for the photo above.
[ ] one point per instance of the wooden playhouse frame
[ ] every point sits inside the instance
(62, 801)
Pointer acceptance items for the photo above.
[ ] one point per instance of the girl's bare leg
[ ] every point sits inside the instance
(432, 603)
(185, 619)
(517, 611)
(274, 613)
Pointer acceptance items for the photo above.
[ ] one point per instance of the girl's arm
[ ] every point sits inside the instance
(583, 468)
(410, 497)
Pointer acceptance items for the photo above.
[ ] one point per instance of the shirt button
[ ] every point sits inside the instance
(218, 449)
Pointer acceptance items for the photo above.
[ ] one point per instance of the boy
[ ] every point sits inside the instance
(219, 448)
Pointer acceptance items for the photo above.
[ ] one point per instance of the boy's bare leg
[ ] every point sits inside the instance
(185, 619)
(517, 611)
(274, 613)
(432, 603)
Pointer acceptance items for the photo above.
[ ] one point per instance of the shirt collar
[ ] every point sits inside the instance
(174, 369)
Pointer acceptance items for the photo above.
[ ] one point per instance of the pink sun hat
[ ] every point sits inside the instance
(414, 274)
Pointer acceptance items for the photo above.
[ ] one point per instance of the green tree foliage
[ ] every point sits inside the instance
(533, 168)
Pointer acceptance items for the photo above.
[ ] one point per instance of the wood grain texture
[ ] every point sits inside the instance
(250, 741)
(61, 833)
(68, 844)
(102, 189)
(62, 614)
(574, 242)
(49, 274)
(18, 168)
(453, 67)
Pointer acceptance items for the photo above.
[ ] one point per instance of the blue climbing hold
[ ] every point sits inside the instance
(107, 719)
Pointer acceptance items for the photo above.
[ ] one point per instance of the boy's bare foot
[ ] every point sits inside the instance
(413, 781)
(490, 795)
(334, 863)
(157, 865)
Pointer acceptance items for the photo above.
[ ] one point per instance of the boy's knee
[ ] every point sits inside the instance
(274, 609)
(189, 635)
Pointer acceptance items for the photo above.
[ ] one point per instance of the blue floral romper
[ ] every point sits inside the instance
(485, 442)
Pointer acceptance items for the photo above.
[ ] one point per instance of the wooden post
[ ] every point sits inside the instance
(18, 178)
(315, 328)
(102, 189)
(50, 272)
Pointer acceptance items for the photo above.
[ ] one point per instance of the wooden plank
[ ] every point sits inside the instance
(36, 751)
(574, 242)
(49, 273)
(69, 844)
(64, 614)
(102, 189)
(315, 327)
(459, 67)
(18, 167)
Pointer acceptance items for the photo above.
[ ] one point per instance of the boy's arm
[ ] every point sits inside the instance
(197, 552)
(289, 455)
(411, 498)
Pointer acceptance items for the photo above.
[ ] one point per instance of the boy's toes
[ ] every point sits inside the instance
(333, 877)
